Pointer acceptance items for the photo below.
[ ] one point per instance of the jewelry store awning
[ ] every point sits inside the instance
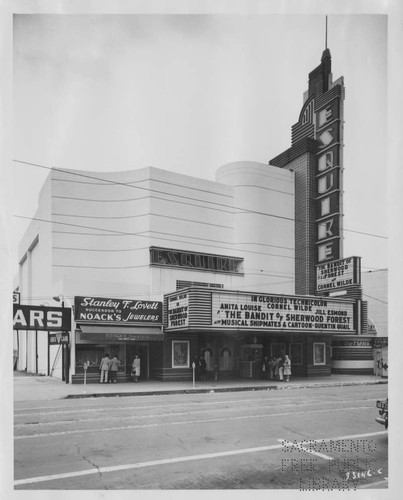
(104, 333)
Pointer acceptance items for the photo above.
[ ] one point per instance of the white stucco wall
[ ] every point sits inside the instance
(96, 230)
(102, 231)
(192, 215)
(35, 278)
(99, 239)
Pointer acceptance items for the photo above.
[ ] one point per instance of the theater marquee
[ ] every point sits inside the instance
(178, 310)
(338, 274)
(280, 312)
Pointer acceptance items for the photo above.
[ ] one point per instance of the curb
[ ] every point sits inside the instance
(222, 389)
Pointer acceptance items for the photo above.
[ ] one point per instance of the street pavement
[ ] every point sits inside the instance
(34, 388)
(305, 440)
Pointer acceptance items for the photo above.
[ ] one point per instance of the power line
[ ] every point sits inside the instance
(181, 219)
(122, 233)
(373, 268)
(266, 271)
(98, 267)
(144, 215)
(108, 181)
(131, 184)
(374, 298)
(242, 210)
(367, 234)
(75, 249)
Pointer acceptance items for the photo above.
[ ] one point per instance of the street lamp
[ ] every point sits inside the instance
(61, 298)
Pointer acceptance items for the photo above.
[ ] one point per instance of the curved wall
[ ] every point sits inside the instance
(263, 223)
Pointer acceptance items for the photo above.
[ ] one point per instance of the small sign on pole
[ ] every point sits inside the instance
(85, 374)
(58, 338)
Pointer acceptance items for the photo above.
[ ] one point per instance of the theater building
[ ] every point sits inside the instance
(169, 266)
(138, 235)
(316, 157)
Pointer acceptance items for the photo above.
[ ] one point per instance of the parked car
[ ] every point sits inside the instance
(382, 406)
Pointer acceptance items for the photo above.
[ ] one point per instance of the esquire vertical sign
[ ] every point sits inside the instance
(329, 134)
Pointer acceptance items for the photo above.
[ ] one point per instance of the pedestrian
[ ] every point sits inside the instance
(136, 368)
(287, 368)
(203, 368)
(280, 368)
(272, 364)
(265, 368)
(197, 366)
(276, 364)
(113, 370)
(104, 367)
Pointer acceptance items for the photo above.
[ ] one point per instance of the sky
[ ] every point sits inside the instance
(189, 93)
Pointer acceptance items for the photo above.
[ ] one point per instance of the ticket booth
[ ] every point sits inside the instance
(251, 359)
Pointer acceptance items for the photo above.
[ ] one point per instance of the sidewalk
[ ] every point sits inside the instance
(30, 388)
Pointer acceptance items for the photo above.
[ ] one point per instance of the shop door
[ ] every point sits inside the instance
(141, 349)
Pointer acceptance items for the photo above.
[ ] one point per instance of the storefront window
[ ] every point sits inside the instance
(319, 353)
(90, 355)
(180, 354)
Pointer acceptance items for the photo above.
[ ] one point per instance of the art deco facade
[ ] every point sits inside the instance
(172, 267)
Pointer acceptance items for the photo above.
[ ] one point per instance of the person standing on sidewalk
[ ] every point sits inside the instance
(275, 367)
(196, 363)
(272, 367)
(280, 368)
(203, 368)
(265, 368)
(287, 368)
(136, 368)
(113, 370)
(104, 367)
